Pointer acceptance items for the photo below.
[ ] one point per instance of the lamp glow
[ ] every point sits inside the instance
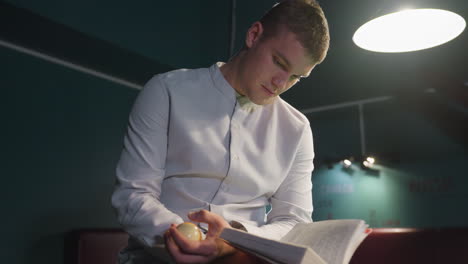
(367, 164)
(409, 30)
(347, 163)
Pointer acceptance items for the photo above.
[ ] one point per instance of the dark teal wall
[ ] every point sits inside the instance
(180, 34)
(407, 194)
(63, 133)
(420, 177)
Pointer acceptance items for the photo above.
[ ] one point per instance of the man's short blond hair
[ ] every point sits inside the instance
(304, 18)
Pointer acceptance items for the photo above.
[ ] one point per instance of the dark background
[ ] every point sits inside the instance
(63, 128)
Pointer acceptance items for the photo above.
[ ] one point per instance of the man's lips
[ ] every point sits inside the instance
(268, 91)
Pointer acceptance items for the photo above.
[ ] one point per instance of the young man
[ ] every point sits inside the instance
(217, 145)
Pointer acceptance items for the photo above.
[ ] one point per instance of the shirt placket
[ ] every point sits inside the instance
(235, 150)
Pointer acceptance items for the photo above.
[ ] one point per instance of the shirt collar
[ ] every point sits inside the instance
(245, 103)
(222, 84)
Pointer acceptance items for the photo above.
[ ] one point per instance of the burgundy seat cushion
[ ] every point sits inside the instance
(95, 246)
(409, 245)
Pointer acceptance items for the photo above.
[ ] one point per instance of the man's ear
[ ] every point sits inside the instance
(253, 34)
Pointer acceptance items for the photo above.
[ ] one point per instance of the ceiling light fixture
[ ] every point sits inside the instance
(368, 162)
(409, 30)
(347, 163)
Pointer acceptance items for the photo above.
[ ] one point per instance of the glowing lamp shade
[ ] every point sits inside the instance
(409, 30)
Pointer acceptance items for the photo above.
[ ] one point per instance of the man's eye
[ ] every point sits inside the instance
(278, 63)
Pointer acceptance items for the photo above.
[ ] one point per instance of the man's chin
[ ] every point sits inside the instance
(264, 101)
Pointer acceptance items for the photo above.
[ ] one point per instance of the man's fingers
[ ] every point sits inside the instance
(181, 257)
(188, 251)
(201, 216)
(203, 247)
(215, 222)
(188, 246)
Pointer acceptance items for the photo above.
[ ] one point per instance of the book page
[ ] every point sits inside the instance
(275, 251)
(356, 241)
(331, 239)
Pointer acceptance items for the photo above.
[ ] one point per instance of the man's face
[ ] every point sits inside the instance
(272, 65)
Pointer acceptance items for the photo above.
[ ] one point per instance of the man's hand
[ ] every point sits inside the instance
(203, 251)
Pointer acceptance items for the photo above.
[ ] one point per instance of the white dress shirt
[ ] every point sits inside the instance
(190, 146)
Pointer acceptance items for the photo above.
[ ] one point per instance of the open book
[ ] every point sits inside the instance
(329, 241)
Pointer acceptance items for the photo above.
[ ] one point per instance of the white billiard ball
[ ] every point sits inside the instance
(190, 231)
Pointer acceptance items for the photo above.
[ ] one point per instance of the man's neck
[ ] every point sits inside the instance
(230, 72)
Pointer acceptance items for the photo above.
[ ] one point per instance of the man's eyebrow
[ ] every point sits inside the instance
(288, 64)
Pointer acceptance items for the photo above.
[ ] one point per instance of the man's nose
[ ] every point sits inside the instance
(279, 81)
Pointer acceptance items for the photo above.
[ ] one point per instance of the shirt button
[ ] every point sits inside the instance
(235, 157)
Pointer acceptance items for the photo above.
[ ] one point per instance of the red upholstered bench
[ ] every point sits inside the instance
(409, 245)
(383, 245)
(94, 246)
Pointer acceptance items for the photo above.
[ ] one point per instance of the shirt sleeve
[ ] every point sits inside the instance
(141, 168)
(292, 202)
